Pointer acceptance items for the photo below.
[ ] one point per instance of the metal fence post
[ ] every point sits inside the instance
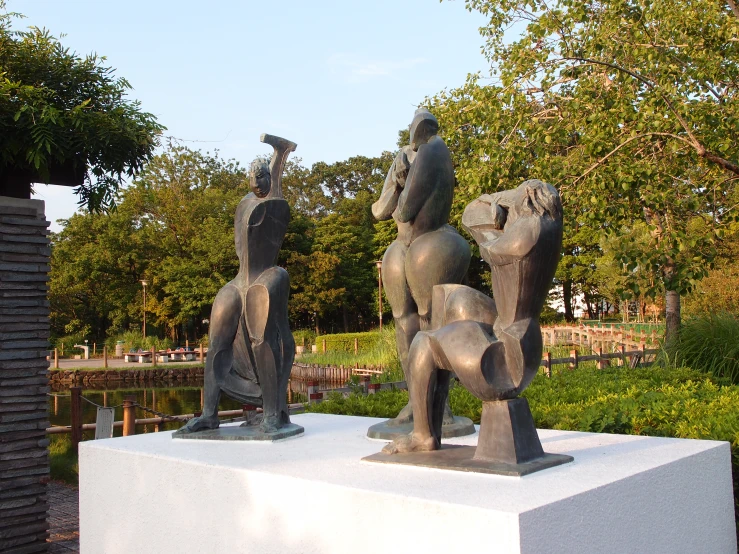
(105, 356)
(56, 358)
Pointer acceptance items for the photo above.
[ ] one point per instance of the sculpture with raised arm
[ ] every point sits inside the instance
(251, 348)
(493, 345)
(418, 194)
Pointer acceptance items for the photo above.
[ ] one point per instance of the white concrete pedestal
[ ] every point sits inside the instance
(622, 494)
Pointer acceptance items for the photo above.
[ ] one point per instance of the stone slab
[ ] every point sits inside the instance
(461, 427)
(242, 433)
(461, 458)
(315, 495)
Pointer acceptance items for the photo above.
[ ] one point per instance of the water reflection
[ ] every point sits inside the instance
(172, 398)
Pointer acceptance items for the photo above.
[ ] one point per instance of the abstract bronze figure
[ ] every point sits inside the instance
(493, 346)
(418, 194)
(251, 347)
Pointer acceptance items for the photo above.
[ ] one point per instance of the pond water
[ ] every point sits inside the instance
(182, 397)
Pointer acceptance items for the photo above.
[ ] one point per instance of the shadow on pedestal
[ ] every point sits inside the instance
(387, 430)
(242, 433)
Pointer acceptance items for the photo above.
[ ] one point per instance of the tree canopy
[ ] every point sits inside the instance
(629, 108)
(66, 119)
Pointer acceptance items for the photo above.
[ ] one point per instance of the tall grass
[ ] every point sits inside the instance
(383, 353)
(710, 344)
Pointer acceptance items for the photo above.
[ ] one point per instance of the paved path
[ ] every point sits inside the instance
(64, 518)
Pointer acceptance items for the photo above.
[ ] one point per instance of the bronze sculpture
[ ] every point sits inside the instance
(251, 349)
(418, 194)
(493, 345)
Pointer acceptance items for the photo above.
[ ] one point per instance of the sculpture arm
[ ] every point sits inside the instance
(516, 241)
(388, 201)
(416, 190)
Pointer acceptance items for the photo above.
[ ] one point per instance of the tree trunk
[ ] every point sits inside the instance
(672, 315)
(345, 314)
(567, 300)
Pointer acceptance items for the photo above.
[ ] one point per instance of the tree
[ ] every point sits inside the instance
(173, 227)
(65, 119)
(631, 108)
(334, 279)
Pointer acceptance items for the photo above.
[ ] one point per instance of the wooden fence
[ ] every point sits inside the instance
(605, 337)
(331, 373)
(316, 375)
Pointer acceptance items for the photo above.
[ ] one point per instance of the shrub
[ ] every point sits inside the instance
(307, 335)
(708, 343)
(132, 340)
(69, 341)
(380, 350)
(344, 342)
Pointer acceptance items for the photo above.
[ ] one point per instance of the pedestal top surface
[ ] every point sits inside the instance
(339, 442)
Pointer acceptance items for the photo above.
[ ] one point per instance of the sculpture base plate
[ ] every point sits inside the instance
(461, 458)
(243, 433)
(461, 427)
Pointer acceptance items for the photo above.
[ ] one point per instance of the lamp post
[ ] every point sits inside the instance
(144, 282)
(378, 263)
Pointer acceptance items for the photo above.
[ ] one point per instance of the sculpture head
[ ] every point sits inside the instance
(530, 198)
(423, 127)
(260, 179)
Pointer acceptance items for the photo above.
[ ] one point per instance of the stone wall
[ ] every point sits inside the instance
(24, 334)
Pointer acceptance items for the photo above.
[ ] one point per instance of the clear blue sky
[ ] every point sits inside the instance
(340, 78)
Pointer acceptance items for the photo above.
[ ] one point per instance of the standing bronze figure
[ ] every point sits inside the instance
(418, 194)
(251, 348)
(493, 345)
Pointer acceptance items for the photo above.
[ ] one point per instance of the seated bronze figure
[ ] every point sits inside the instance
(251, 348)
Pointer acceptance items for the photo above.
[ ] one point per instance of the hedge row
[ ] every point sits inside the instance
(344, 342)
(656, 402)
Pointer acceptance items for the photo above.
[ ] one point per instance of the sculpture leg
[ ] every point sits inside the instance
(404, 311)
(272, 343)
(273, 402)
(224, 325)
(428, 402)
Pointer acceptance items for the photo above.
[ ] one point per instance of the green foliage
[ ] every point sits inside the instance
(629, 109)
(63, 463)
(718, 291)
(69, 341)
(384, 403)
(307, 336)
(174, 227)
(344, 342)
(708, 343)
(376, 348)
(62, 115)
